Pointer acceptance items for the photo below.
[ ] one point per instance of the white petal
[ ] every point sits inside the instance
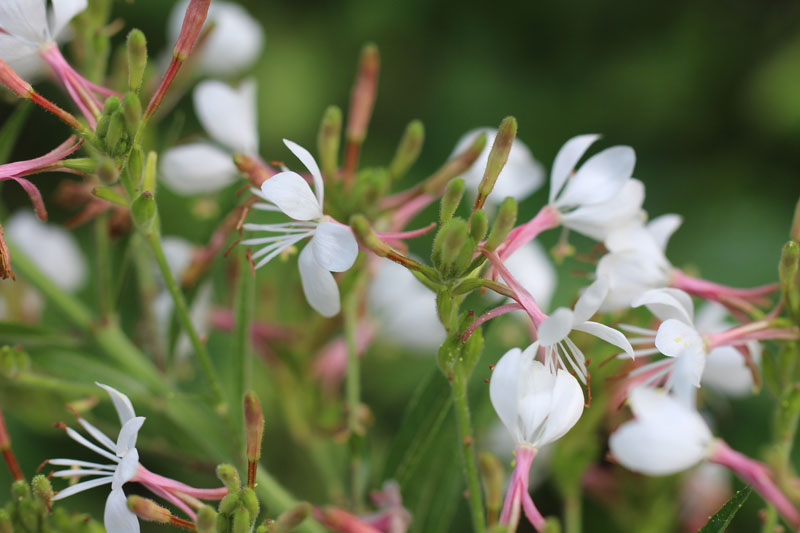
(22, 57)
(126, 441)
(727, 372)
(310, 163)
(335, 247)
(610, 335)
(319, 286)
(25, 19)
(63, 12)
(503, 390)
(666, 303)
(126, 470)
(197, 168)
(662, 228)
(535, 390)
(117, 518)
(590, 301)
(80, 487)
(83, 441)
(712, 317)
(98, 435)
(121, 402)
(599, 178)
(229, 115)
(556, 327)
(291, 193)
(598, 221)
(75, 462)
(566, 408)
(565, 161)
(532, 268)
(674, 337)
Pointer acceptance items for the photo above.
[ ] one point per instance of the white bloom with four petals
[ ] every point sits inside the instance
(27, 26)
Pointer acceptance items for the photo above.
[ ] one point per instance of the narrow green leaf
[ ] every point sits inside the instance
(11, 128)
(110, 195)
(720, 521)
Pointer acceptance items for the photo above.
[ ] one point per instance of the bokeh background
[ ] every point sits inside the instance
(707, 92)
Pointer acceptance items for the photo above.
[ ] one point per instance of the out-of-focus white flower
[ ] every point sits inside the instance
(52, 249)
(404, 309)
(229, 116)
(533, 269)
(333, 247)
(234, 44)
(27, 26)
(520, 177)
(636, 261)
(553, 332)
(665, 436)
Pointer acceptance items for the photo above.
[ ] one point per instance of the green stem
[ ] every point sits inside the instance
(182, 311)
(573, 512)
(105, 294)
(465, 442)
(353, 390)
(241, 354)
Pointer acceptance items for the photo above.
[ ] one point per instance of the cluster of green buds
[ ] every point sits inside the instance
(13, 361)
(30, 511)
(238, 510)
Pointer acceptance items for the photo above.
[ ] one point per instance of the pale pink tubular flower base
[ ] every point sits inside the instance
(756, 474)
(716, 292)
(177, 493)
(521, 294)
(547, 218)
(517, 495)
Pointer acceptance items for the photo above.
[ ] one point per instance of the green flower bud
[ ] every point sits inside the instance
(149, 177)
(132, 108)
(787, 271)
(230, 477)
(503, 224)
(143, 211)
(81, 164)
(20, 490)
(254, 426)
(498, 156)
(492, 476)
(455, 234)
(229, 503)
(101, 129)
(28, 514)
(112, 104)
(136, 166)
(206, 520)
(249, 500)
(464, 258)
(478, 226)
(367, 237)
(137, 58)
(241, 521)
(408, 150)
(292, 518)
(328, 141)
(5, 522)
(42, 490)
(149, 510)
(450, 200)
(114, 135)
(224, 523)
(552, 525)
(107, 170)
(448, 355)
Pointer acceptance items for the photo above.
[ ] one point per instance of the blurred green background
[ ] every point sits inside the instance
(708, 94)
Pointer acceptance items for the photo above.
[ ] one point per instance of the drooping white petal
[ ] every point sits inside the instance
(590, 301)
(126, 441)
(80, 487)
(599, 178)
(520, 176)
(63, 12)
(121, 402)
(503, 391)
(599, 220)
(556, 327)
(197, 168)
(52, 249)
(565, 410)
(335, 247)
(291, 193)
(319, 286)
(117, 517)
(25, 20)
(674, 337)
(229, 115)
(662, 228)
(126, 470)
(565, 161)
(310, 163)
(608, 334)
(666, 303)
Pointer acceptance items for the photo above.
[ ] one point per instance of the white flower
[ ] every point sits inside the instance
(520, 176)
(229, 116)
(333, 248)
(52, 249)
(636, 261)
(405, 309)
(233, 45)
(664, 437)
(599, 196)
(537, 406)
(123, 467)
(27, 26)
(554, 332)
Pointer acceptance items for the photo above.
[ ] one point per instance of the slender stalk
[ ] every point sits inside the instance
(181, 309)
(353, 390)
(241, 353)
(465, 441)
(105, 293)
(573, 512)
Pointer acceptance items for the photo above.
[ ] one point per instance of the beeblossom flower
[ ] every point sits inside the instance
(234, 44)
(333, 247)
(229, 116)
(520, 177)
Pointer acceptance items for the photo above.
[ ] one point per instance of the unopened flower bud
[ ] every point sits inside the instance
(111, 104)
(28, 514)
(5, 522)
(116, 129)
(454, 167)
(42, 490)
(227, 505)
(193, 21)
(451, 199)
(497, 159)
(107, 170)
(492, 476)
(328, 141)
(362, 97)
(143, 211)
(15, 84)
(149, 177)
(136, 166)
(132, 108)
(367, 237)
(81, 164)
(787, 271)
(254, 425)
(20, 490)
(254, 169)
(241, 521)
(478, 225)
(5, 259)
(206, 520)
(292, 518)
(408, 150)
(137, 58)
(250, 501)
(503, 224)
(552, 525)
(149, 510)
(452, 235)
(230, 478)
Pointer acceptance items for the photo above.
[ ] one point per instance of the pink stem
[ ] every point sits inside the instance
(715, 291)
(531, 512)
(523, 297)
(488, 315)
(174, 500)
(518, 490)
(756, 474)
(395, 236)
(147, 477)
(410, 209)
(74, 83)
(547, 218)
